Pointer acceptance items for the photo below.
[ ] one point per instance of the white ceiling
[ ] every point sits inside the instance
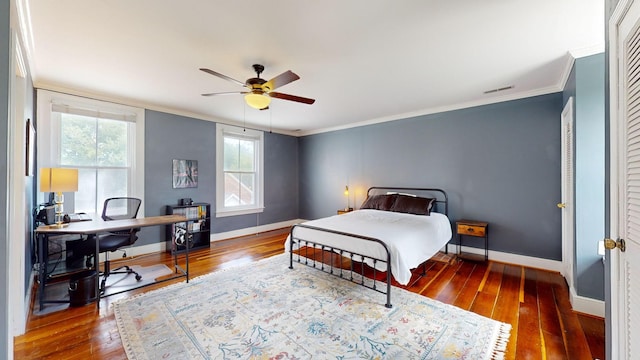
(363, 61)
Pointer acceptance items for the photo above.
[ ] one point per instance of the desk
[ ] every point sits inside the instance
(96, 227)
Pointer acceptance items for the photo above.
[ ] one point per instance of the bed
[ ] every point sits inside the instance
(395, 230)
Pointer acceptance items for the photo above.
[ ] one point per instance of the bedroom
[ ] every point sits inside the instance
(510, 147)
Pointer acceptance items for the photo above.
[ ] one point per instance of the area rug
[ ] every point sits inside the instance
(263, 310)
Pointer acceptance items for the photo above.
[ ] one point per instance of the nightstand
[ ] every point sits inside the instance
(344, 211)
(476, 230)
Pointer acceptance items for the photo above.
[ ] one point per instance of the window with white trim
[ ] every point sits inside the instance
(239, 170)
(104, 141)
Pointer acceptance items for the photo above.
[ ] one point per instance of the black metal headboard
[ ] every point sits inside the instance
(441, 198)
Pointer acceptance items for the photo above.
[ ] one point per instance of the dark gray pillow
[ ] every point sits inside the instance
(379, 202)
(412, 205)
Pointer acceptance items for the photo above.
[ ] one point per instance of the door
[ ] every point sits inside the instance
(624, 266)
(567, 205)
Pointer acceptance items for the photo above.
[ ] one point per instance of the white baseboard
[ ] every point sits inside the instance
(254, 230)
(579, 303)
(528, 261)
(586, 305)
(161, 246)
(27, 302)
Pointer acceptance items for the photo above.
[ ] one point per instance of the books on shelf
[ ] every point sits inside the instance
(192, 212)
(198, 225)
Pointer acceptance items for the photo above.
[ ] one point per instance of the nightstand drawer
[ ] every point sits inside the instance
(473, 230)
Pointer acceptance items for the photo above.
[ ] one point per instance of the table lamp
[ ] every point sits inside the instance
(346, 193)
(58, 180)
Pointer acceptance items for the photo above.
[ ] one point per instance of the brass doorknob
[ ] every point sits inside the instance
(561, 205)
(611, 244)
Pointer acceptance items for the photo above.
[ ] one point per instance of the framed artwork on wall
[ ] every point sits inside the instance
(30, 148)
(185, 174)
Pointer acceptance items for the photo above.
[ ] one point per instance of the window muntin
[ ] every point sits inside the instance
(103, 141)
(239, 164)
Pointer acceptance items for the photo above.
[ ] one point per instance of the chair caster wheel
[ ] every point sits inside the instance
(138, 277)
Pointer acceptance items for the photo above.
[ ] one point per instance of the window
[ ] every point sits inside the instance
(239, 178)
(104, 141)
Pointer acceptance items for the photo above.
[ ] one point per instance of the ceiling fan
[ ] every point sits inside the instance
(260, 91)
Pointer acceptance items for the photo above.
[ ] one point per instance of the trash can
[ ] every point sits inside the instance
(82, 288)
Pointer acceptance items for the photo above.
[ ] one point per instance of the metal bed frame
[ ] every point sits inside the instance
(440, 205)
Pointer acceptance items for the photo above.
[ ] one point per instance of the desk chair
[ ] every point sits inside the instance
(117, 208)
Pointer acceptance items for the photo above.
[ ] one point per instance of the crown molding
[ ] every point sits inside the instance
(154, 107)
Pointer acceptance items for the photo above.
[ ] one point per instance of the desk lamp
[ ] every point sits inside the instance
(58, 180)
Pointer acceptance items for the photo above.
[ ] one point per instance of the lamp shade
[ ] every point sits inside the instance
(58, 180)
(257, 100)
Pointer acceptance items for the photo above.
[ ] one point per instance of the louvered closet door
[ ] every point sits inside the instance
(627, 127)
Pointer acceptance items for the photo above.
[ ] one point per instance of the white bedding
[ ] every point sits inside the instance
(411, 239)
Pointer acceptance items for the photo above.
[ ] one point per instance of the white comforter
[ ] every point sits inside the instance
(411, 239)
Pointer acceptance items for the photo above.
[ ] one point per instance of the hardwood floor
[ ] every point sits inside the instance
(534, 302)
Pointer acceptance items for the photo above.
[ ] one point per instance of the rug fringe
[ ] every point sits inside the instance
(501, 340)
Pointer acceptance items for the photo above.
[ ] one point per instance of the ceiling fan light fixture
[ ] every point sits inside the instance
(257, 100)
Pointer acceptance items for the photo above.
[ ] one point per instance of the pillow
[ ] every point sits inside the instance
(413, 205)
(379, 202)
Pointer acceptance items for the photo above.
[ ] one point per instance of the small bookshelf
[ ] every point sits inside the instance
(198, 223)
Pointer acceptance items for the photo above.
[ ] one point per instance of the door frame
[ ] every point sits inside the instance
(616, 346)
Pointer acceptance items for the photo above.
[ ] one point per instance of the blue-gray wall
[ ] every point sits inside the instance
(169, 137)
(499, 163)
(5, 72)
(589, 175)
(586, 85)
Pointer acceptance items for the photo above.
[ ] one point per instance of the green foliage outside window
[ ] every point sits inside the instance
(87, 141)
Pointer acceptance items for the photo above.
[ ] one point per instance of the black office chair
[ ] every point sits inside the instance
(117, 208)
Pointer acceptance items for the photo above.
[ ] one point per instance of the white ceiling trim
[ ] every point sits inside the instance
(153, 107)
(436, 110)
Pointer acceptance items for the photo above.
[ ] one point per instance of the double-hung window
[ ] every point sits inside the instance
(104, 141)
(239, 175)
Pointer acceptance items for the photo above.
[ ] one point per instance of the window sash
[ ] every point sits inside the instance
(51, 107)
(239, 185)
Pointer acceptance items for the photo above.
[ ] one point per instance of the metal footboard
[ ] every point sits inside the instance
(340, 272)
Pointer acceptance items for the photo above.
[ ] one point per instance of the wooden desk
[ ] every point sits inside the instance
(97, 227)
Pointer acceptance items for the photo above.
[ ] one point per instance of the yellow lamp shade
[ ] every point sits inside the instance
(257, 100)
(58, 180)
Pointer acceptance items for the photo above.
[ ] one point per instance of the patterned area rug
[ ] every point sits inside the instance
(263, 310)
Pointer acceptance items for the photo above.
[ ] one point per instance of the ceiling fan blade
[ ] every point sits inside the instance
(280, 80)
(222, 76)
(292, 98)
(226, 93)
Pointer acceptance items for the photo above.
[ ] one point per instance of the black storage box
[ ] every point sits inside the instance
(82, 288)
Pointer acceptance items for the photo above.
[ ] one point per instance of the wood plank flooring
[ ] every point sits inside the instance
(534, 302)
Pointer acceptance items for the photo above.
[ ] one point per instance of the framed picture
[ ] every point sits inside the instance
(30, 148)
(185, 174)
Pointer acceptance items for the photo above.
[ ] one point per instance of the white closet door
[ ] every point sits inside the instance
(625, 181)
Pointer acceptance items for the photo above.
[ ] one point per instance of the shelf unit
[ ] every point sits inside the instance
(199, 224)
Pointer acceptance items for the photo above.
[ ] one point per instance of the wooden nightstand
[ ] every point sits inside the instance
(344, 211)
(474, 229)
